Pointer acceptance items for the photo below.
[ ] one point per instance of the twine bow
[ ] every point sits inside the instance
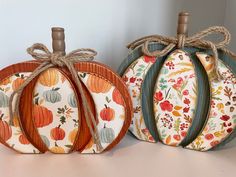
(197, 40)
(54, 59)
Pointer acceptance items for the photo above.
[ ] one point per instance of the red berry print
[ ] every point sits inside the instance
(229, 130)
(132, 79)
(183, 134)
(166, 106)
(177, 137)
(209, 136)
(186, 101)
(186, 109)
(148, 59)
(225, 118)
(185, 92)
(171, 65)
(214, 143)
(158, 96)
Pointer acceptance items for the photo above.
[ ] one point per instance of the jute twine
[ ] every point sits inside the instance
(197, 40)
(41, 52)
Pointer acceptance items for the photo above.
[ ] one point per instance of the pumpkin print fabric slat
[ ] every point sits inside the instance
(175, 98)
(133, 78)
(109, 108)
(11, 133)
(55, 112)
(222, 116)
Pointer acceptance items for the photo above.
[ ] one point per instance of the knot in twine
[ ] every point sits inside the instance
(197, 40)
(50, 59)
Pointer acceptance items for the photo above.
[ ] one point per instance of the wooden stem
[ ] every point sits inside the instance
(58, 40)
(182, 27)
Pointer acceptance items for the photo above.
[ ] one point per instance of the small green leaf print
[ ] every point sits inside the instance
(163, 87)
(141, 66)
(140, 69)
(107, 99)
(176, 125)
(163, 81)
(63, 119)
(138, 74)
(17, 75)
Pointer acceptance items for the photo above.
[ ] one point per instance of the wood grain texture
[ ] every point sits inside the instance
(105, 72)
(11, 70)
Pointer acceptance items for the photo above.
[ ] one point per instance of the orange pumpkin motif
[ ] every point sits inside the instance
(72, 135)
(17, 83)
(6, 131)
(57, 149)
(6, 81)
(57, 133)
(49, 77)
(107, 114)
(16, 122)
(117, 98)
(42, 116)
(23, 140)
(98, 85)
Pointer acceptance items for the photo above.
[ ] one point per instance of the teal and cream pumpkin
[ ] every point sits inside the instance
(52, 96)
(107, 135)
(4, 100)
(178, 97)
(71, 99)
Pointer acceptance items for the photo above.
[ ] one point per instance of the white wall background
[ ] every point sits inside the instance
(105, 25)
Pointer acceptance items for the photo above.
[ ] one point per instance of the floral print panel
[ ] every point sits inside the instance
(175, 98)
(133, 78)
(110, 109)
(222, 116)
(55, 112)
(10, 130)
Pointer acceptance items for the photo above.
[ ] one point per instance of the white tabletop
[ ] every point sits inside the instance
(130, 158)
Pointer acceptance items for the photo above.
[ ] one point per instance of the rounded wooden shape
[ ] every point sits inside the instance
(12, 72)
(121, 123)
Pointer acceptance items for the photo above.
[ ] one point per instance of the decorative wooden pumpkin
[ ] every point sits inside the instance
(52, 116)
(182, 91)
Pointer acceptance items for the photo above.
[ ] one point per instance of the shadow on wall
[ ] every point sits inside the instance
(140, 18)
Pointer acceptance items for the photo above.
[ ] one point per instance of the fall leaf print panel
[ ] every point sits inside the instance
(222, 114)
(109, 109)
(175, 98)
(10, 130)
(55, 112)
(133, 78)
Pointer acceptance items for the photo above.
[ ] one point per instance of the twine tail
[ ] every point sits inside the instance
(87, 110)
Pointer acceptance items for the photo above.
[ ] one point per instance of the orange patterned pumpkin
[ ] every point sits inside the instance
(42, 116)
(6, 81)
(57, 149)
(6, 131)
(23, 139)
(17, 83)
(49, 77)
(57, 133)
(107, 113)
(98, 85)
(72, 135)
(116, 96)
